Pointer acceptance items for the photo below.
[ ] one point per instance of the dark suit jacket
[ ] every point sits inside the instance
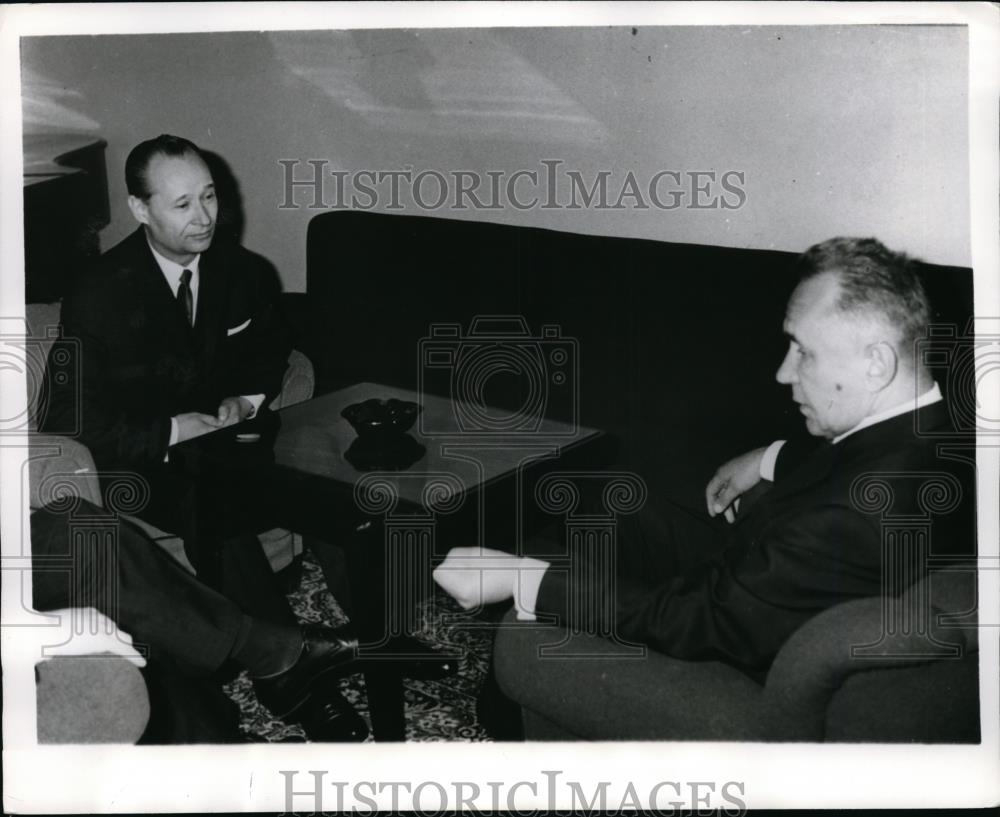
(813, 540)
(139, 361)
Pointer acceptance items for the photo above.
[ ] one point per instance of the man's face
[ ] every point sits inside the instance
(181, 210)
(826, 364)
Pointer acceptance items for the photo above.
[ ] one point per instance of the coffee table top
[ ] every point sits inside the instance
(313, 439)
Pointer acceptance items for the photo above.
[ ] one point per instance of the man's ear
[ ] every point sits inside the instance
(139, 208)
(882, 365)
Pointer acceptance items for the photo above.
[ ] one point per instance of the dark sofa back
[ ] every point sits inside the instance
(678, 344)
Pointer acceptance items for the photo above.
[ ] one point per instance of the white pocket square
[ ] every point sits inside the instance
(237, 329)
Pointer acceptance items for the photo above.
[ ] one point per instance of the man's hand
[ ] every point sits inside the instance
(193, 424)
(233, 410)
(475, 576)
(733, 479)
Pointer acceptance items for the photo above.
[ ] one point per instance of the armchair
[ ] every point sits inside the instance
(910, 686)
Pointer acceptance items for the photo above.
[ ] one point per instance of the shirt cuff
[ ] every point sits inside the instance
(527, 581)
(770, 460)
(254, 400)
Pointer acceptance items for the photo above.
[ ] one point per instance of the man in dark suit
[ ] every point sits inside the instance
(694, 587)
(179, 335)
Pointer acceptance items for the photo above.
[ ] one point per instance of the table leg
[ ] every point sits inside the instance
(386, 706)
(366, 571)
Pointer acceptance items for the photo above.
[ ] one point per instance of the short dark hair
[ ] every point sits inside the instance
(142, 154)
(873, 279)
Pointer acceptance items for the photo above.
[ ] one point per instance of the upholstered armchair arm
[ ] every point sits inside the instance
(81, 699)
(298, 383)
(859, 636)
(59, 466)
(90, 699)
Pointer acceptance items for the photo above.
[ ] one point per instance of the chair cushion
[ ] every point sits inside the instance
(90, 699)
(60, 468)
(603, 696)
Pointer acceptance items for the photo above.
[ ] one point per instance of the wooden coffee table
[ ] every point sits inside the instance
(299, 475)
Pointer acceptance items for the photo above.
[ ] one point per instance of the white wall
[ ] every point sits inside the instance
(839, 130)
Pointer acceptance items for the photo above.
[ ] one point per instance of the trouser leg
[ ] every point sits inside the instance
(89, 558)
(666, 540)
(245, 575)
(247, 579)
(651, 547)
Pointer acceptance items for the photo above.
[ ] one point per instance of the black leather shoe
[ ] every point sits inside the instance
(327, 718)
(327, 653)
(330, 653)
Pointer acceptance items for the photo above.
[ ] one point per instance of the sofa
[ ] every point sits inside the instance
(677, 350)
(663, 331)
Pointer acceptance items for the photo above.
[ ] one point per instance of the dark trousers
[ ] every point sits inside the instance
(87, 557)
(659, 543)
(654, 545)
(244, 573)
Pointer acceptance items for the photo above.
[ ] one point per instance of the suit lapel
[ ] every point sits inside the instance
(815, 468)
(210, 319)
(156, 297)
(898, 431)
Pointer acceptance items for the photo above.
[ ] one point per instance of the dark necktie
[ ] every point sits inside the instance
(184, 297)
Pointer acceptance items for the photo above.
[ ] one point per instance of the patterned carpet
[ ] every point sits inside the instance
(435, 710)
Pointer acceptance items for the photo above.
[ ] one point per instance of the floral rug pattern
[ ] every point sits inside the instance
(435, 710)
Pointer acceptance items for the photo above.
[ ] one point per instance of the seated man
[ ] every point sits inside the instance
(695, 588)
(179, 334)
